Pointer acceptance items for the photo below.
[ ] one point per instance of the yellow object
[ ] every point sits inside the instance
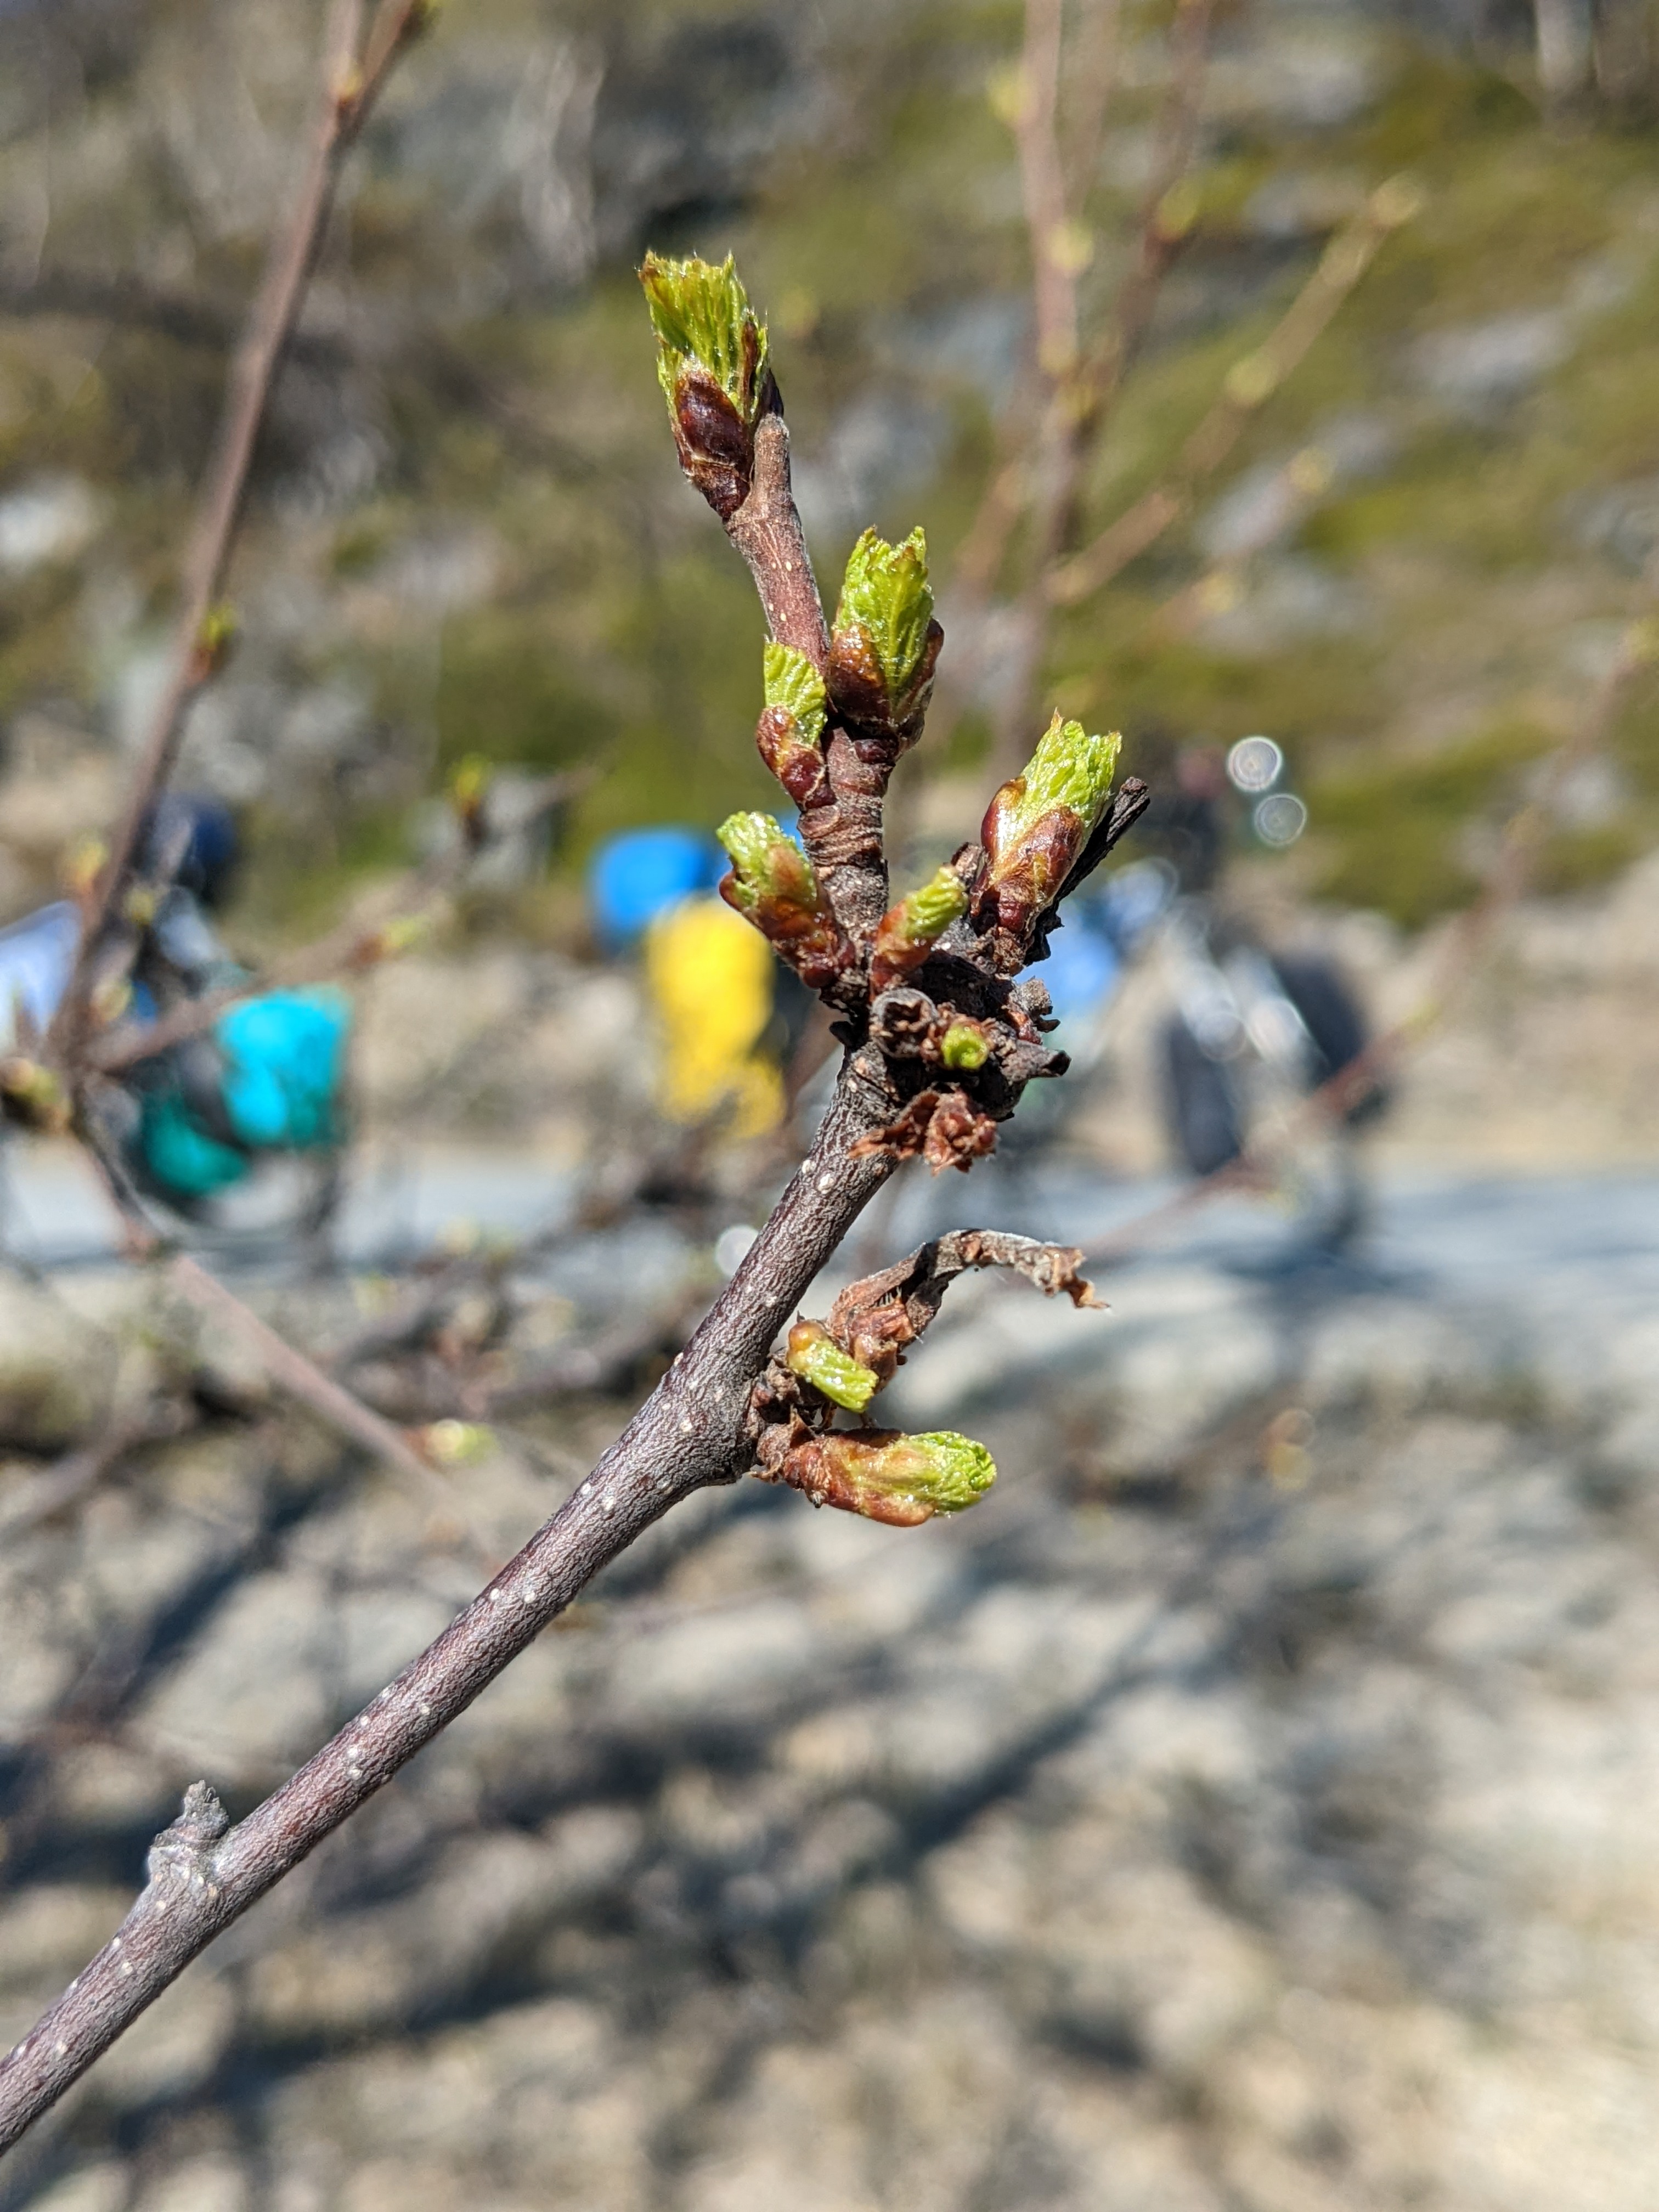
(710, 975)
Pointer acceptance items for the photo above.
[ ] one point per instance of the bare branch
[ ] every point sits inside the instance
(689, 1433)
(292, 1371)
(348, 94)
(1251, 381)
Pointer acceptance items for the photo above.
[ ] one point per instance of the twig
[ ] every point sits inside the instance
(933, 1072)
(349, 92)
(292, 1371)
(1251, 381)
(1471, 932)
(79, 1473)
(361, 943)
(205, 1874)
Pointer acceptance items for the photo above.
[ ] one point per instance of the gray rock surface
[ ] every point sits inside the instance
(1250, 1806)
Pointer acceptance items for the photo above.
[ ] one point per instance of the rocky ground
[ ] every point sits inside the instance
(1250, 1806)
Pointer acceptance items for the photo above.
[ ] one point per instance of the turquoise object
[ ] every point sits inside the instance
(284, 1059)
(182, 1157)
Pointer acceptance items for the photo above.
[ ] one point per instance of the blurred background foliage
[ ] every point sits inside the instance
(468, 534)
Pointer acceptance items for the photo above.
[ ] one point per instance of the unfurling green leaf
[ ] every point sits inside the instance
(766, 864)
(888, 1476)
(886, 594)
(794, 685)
(1036, 826)
(1069, 769)
(814, 1355)
(775, 885)
(701, 314)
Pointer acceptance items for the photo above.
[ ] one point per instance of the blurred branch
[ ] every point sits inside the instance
(83, 295)
(79, 1473)
(360, 943)
(353, 75)
(1252, 380)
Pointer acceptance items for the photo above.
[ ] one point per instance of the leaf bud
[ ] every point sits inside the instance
(964, 1047)
(214, 639)
(814, 1355)
(469, 786)
(886, 1475)
(908, 933)
(792, 724)
(454, 1444)
(712, 365)
(1251, 381)
(1036, 826)
(83, 865)
(392, 937)
(775, 885)
(32, 1094)
(885, 641)
(1398, 199)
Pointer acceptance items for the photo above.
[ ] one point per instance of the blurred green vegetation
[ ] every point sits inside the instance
(1430, 652)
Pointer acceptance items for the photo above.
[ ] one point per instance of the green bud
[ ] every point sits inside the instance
(814, 1355)
(884, 626)
(1036, 826)
(701, 314)
(765, 863)
(793, 684)
(957, 1470)
(926, 914)
(774, 885)
(964, 1046)
(888, 1476)
(908, 933)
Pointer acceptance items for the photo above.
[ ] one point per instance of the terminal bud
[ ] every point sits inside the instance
(712, 365)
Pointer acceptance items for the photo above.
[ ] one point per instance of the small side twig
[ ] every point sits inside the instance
(292, 1371)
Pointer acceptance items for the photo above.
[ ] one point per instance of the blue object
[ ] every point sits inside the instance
(635, 876)
(182, 1157)
(37, 957)
(199, 835)
(1082, 968)
(284, 1058)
